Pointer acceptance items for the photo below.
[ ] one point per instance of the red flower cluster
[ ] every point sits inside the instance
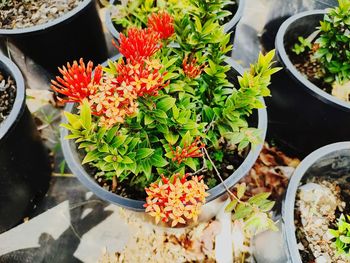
(140, 44)
(190, 67)
(77, 82)
(176, 200)
(191, 151)
(144, 77)
(162, 23)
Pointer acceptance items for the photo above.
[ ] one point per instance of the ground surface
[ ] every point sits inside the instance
(71, 224)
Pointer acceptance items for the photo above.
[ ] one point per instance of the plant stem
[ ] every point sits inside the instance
(218, 174)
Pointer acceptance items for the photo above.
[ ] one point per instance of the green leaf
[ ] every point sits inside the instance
(241, 188)
(91, 156)
(158, 161)
(85, 114)
(191, 163)
(242, 211)
(171, 137)
(147, 168)
(73, 120)
(127, 160)
(231, 206)
(163, 128)
(345, 239)
(166, 103)
(143, 153)
(333, 232)
(186, 139)
(254, 200)
(160, 114)
(111, 134)
(148, 120)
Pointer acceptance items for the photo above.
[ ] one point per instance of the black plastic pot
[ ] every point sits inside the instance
(25, 167)
(303, 117)
(229, 27)
(77, 34)
(258, 119)
(330, 162)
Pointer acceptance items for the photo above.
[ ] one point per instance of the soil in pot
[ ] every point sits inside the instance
(28, 13)
(307, 65)
(318, 205)
(7, 95)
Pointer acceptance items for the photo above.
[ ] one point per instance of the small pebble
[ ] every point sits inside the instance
(229, 167)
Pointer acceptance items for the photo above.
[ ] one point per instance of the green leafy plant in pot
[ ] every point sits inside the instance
(328, 49)
(160, 123)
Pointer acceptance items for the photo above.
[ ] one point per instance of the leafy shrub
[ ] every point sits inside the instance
(162, 110)
(331, 47)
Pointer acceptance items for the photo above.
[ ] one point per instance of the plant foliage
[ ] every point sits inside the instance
(154, 113)
(342, 235)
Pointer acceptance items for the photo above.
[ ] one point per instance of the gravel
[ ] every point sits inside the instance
(7, 96)
(317, 206)
(27, 13)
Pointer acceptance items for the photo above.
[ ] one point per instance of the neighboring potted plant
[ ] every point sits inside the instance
(53, 32)
(315, 226)
(307, 109)
(121, 15)
(175, 125)
(25, 167)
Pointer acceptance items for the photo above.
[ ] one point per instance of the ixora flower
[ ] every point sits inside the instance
(113, 103)
(190, 67)
(162, 23)
(140, 44)
(144, 77)
(77, 82)
(176, 200)
(188, 151)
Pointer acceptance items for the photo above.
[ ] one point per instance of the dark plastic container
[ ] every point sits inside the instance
(258, 119)
(77, 34)
(303, 117)
(24, 161)
(229, 27)
(331, 162)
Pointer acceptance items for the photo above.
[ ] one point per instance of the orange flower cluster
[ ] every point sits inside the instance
(77, 82)
(140, 44)
(190, 67)
(112, 103)
(162, 23)
(191, 151)
(144, 77)
(114, 98)
(176, 200)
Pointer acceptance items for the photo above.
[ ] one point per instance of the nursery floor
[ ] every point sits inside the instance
(73, 225)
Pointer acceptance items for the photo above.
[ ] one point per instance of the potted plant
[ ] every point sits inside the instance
(53, 32)
(25, 168)
(122, 15)
(315, 226)
(175, 125)
(305, 109)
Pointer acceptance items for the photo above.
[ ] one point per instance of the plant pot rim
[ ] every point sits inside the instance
(289, 200)
(137, 205)
(48, 25)
(9, 68)
(291, 69)
(233, 21)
